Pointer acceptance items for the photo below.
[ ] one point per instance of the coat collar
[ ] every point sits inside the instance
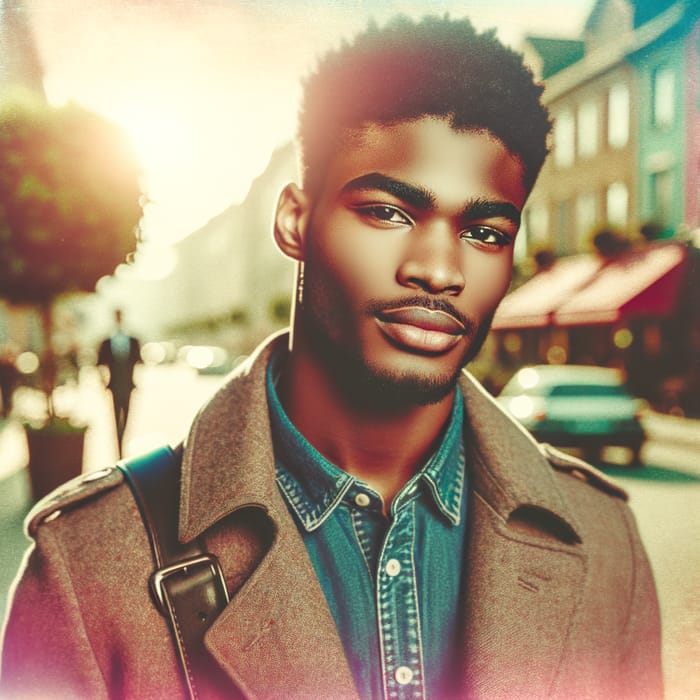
(509, 468)
(228, 462)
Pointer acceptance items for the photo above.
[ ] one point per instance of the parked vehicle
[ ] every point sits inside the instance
(576, 406)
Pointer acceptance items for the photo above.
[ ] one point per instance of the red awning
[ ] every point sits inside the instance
(532, 304)
(641, 283)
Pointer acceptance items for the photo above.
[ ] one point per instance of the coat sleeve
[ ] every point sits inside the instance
(641, 673)
(46, 652)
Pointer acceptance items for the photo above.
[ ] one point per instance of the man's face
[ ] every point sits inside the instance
(407, 253)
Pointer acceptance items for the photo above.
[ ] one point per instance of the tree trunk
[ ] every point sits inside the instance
(48, 359)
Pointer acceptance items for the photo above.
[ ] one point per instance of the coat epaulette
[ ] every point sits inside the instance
(70, 495)
(582, 470)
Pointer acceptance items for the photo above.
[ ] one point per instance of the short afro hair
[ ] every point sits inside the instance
(437, 67)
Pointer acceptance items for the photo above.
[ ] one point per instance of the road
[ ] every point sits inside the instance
(664, 494)
(665, 497)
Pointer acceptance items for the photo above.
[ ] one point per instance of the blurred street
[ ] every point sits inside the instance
(665, 493)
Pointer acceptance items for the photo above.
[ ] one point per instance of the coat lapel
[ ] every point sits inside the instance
(276, 638)
(520, 608)
(526, 565)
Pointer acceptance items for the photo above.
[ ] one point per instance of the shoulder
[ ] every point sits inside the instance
(81, 493)
(599, 508)
(582, 471)
(504, 438)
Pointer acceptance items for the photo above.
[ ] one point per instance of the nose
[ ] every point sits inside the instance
(433, 262)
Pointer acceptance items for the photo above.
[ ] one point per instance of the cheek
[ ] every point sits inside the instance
(359, 262)
(487, 278)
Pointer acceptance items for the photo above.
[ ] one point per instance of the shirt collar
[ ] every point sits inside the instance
(314, 487)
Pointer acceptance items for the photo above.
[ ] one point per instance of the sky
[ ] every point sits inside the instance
(208, 88)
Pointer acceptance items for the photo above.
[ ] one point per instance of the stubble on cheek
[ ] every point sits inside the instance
(334, 337)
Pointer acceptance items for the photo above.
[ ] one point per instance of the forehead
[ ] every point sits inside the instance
(428, 152)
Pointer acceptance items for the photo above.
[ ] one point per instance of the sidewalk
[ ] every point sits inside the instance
(15, 502)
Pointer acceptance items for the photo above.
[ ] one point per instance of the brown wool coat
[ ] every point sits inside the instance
(560, 601)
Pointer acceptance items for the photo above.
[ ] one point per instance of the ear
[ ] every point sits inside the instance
(291, 221)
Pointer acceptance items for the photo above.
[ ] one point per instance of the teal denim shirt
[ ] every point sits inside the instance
(392, 585)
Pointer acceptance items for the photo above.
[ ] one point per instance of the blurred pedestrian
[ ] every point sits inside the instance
(119, 354)
(383, 528)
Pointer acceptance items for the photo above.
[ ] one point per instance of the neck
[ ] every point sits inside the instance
(384, 448)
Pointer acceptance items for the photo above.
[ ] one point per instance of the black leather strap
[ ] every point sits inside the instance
(187, 585)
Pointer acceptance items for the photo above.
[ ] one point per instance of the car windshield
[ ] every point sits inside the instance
(587, 390)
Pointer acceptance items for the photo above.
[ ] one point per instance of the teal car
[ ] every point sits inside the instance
(576, 406)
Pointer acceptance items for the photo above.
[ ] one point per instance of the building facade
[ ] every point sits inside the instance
(624, 145)
(625, 160)
(230, 285)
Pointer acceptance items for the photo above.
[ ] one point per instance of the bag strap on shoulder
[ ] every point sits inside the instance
(187, 584)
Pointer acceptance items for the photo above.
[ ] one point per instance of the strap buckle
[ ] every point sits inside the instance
(184, 568)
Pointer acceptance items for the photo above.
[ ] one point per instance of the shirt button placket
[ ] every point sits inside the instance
(398, 612)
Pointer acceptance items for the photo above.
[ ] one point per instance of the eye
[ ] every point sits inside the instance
(486, 236)
(384, 214)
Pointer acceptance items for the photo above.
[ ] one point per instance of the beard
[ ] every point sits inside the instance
(377, 389)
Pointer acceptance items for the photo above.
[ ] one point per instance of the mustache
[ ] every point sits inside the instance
(376, 306)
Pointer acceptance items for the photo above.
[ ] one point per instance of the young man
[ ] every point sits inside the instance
(384, 530)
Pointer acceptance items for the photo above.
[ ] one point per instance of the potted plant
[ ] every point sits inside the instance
(70, 207)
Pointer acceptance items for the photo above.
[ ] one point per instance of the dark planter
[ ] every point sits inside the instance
(55, 456)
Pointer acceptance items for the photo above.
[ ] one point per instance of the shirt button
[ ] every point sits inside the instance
(392, 568)
(403, 675)
(362, 500)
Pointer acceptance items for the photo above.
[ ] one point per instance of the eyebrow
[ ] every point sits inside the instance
(422, 198)
(414, 195)
(489, 209)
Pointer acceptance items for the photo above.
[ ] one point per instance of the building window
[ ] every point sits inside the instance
(586, 215)
(617, 204)
(587, 129)
(564, 139)
(662, 193)
(618, 115)
(563, 232)
(663, 98)
(537, 222)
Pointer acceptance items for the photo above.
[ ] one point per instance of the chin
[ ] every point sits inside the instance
(403, 378)
(394, 385)
(376, 380)
(407, 389)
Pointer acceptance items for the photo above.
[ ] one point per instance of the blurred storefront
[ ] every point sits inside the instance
(639, 310)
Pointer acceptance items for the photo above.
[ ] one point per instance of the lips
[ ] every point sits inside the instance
(427, 319)
(419, 329)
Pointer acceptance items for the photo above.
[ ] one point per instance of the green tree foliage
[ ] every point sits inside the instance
(70, 200)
